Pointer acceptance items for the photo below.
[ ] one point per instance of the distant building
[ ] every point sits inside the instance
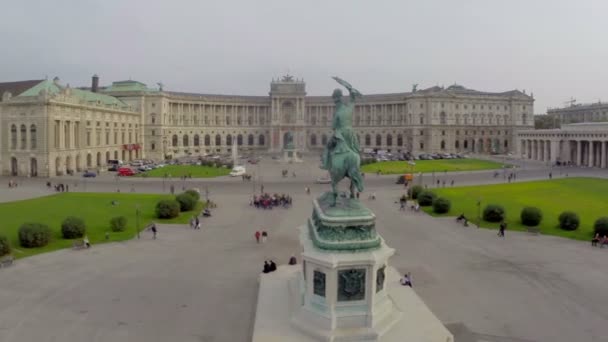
(592, 112)
(48, 129)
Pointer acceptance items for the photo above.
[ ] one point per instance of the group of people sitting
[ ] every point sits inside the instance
(602, 241)
(266, 201)
(269, 266)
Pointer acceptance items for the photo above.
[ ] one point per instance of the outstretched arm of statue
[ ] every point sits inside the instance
(354, 93)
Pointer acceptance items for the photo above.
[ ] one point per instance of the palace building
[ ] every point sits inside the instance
(48, 129)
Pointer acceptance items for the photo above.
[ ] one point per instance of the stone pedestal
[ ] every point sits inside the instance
(291, 156)
(344, 290)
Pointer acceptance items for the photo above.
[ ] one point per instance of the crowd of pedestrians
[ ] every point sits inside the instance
(267, 201)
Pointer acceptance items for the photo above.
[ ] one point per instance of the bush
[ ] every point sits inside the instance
(531, 216)
(167, 209)
(601, 226)
(441, 205)
(186, 201)
(118, 224)
(193, 193)
(568, 220)
(414, 191)
(426, 198)
(494, 213)
(5, 248)
(72, 228)
(34, 235)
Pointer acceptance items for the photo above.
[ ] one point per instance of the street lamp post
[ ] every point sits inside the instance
(478, 212)
(137, 219)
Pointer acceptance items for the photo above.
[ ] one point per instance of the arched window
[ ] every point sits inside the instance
(13, 137)
(457, 144)
(389, 140)
(197, 141)
(422, 119)
(185, 140)
(313, 140)
(153, 119)
(229, 140)
(524, 119)
(457, 119)
(443, 144)
(378, 140)
(174, 140)
(442, 118)
(506, 143)
(33, 137)
(466, 119)
(368, 120)
(24, 137)
(368, 140)
(207, 140)
(466, 144)
(313, 120)
(218, 140)
(228, 120)
(239, 140)
(399, 140)
(324, 140)
(250, 120)
(261, 140)
(250, 140)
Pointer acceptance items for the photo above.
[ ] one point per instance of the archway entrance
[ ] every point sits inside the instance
(14, 167)
(288, 142)
(58, 171)
(33, 167)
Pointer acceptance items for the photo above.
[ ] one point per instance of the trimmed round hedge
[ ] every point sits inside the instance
(494, 213)
(601, 226)
(568, 220)
(118, 224)
(193, 193)
(5, 248)
(186, 201)
(441, 205)
(531, 216)
(73, 227)
(34, 235)
(414, 191)
(167, 209)
(426, 198)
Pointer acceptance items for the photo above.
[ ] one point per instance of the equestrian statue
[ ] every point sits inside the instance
(341, 156)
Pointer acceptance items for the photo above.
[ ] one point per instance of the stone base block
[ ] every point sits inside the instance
(280, 316)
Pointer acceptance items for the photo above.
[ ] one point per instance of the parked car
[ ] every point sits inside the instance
(126, 171)
(323, 180)
(89, 174)
(238, 171)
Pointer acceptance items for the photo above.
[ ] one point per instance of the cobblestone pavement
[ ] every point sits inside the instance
(202, 285)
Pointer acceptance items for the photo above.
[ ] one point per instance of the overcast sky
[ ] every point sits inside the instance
(553, 48)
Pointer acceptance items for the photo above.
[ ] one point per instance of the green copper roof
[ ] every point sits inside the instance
(50, 87)
(87, 96)
(128, 86)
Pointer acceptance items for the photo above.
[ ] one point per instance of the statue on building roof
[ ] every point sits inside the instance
(287, 78)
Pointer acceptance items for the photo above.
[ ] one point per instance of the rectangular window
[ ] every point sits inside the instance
(88, 138)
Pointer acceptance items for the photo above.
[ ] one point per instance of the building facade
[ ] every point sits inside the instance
(51, 130)
(168, 124)
(592, 112)
(582, 144)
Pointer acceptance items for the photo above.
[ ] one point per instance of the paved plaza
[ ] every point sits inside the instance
(202, 285)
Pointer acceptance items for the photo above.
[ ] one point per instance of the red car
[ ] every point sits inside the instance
(126, 171)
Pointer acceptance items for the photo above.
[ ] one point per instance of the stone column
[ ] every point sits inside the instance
(591, 159)
(603, 155)
(554, 148)
(579, 153)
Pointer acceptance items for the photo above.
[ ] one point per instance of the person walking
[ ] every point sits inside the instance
(192, 223)
(264, 236)
(257, 236)
(501, 230)
(197, 223)
(154, 230)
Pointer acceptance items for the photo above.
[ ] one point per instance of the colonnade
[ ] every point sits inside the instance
(579, 152)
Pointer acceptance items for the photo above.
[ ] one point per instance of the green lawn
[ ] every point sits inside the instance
(197, 171)
(588, 197)
(426, 166)
(96, 210)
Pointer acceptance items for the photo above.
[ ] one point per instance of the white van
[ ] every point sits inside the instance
(238, 171)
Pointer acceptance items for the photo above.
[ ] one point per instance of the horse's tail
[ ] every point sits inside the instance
(354, 172)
